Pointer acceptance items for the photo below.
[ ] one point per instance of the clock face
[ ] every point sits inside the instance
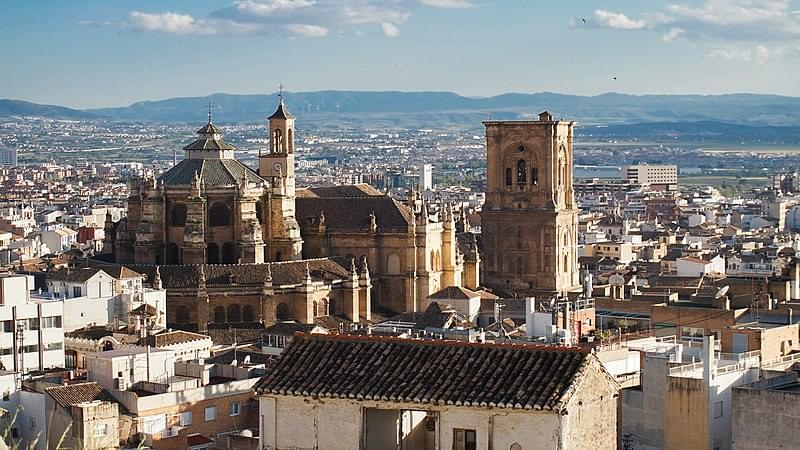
(277, 167)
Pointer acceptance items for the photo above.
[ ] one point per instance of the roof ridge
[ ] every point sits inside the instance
(441, 342)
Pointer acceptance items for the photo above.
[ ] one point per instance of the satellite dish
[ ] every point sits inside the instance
(246, 359)
(722, 291)
(616, 280)
(234, 363)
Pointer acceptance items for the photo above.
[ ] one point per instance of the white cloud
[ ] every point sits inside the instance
(305, 18)
(168, 22)
(672, 34)
(390, 30)
(759, 54)
(608, 19)
(268, 7)
(449, 4)
(306, 30)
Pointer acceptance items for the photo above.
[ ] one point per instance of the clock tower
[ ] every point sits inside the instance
(277, 167)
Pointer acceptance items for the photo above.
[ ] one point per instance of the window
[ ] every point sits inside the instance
(508, 176)
(717, 409)
(219, 314)
(210, 413)
(32, 324)
(534, 176)
(51, 322)
(464, 439)
(234, 313)
(233, 409)
(30, 348)
(219, 215)
(101, 429)
(522, 172)
(76, 291)
(247, 314)
(186, 418)
(54, 346)
(178, 215)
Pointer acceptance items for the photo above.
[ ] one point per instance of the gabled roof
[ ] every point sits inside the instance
(75, 394)
(354, 212)
(428, 372)
(351, 190)
(81, 275)
(174, 337)
(121, 272)
(454, 293)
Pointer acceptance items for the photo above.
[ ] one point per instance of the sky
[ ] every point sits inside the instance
(95, 53)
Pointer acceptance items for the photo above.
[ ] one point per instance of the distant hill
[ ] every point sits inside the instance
(19, 108)
(442, 109)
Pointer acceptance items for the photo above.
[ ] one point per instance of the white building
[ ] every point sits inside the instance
(665, 176)
(126, 366)
(426, 177)
(59, 239)
(31, 333)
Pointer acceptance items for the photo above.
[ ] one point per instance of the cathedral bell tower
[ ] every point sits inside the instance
(281, 231)
(530, 220)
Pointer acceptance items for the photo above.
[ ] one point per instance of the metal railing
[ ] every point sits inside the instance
(793, 358)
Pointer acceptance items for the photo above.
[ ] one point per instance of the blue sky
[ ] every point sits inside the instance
(110, 53)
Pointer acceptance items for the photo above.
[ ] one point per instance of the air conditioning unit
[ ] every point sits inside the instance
(120, 383)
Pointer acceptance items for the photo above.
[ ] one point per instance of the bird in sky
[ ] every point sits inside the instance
(583, 20)
(614, 78)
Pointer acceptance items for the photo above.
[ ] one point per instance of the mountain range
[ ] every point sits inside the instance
(441, 109)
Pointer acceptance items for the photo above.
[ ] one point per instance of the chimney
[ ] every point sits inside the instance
(530, 309)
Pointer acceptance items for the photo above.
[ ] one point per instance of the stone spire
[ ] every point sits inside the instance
(157, 279)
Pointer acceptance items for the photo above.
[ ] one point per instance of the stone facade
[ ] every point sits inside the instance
(530, 220)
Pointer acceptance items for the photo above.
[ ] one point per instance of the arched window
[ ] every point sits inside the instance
(324, 307)
(212, 253)
(508, 176)
(282, 311)
(290, 140)
(219, 314)
(173, 254)
(182, 314)
(315, 309)
(108, 346)
(219, 215)
(177, 217)
(247, 314)
(522, 172)
(234, 313)
(519, 266)
(277, 141)
(393, 264)
(229, 253)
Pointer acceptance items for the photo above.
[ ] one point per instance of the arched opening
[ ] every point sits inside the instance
(182, 314)
(520, 268)
(219, 314)
(290, 140)
(247, 314)
(534, 176)
(522, 172)
(173, 254)
(259, 214)
(277, 141)
(282, 311)
(212, 253)
(393, 264)
(108, 346)
(324, 307)
(177, 217)
(219, 215)
(508, 176)
(230, 255)
(234, 313)
(315, 309)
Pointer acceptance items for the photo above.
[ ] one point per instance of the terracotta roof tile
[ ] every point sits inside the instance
(428, 372)
(74, 394)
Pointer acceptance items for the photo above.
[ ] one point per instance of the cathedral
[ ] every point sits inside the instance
(529, 221)
(233, 245)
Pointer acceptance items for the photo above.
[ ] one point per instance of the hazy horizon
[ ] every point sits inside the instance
(110, 54)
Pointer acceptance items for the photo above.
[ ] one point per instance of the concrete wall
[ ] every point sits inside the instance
(643, 415)
(765, 419)
(303, 422)
(687, 415)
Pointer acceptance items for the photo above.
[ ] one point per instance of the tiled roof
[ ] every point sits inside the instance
(173, 337)
(427, 372)
(350, 190)
(223, 275)
(73, 275)
(354, 212)
(281, 112)
(212, 172)
(454, 293)
(289, 328)
(121, 272)
(74, 394)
